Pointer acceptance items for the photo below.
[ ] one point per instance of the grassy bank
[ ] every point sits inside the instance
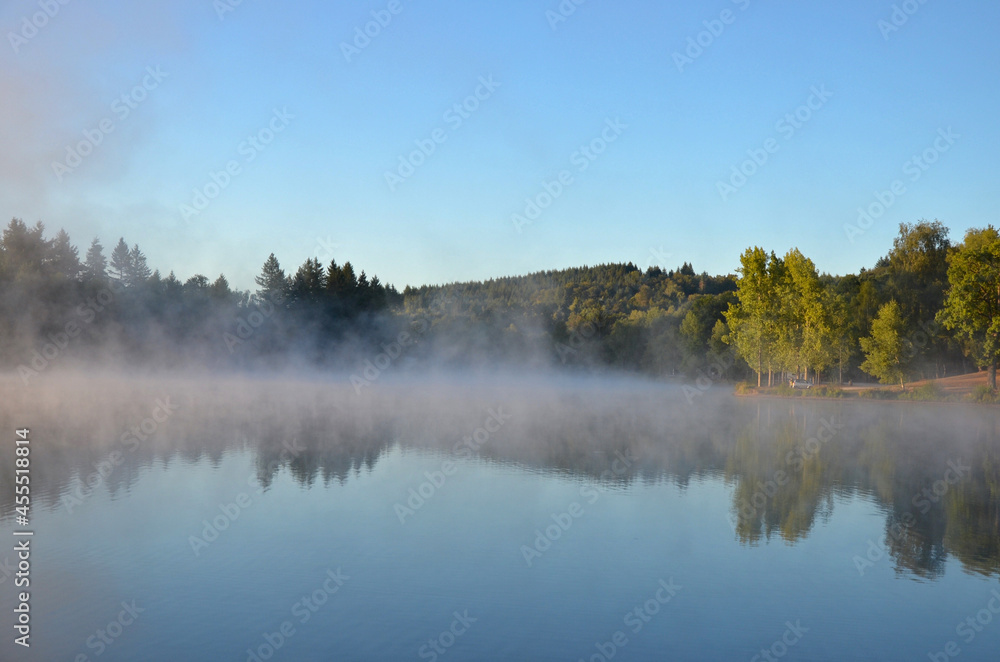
(959, 389)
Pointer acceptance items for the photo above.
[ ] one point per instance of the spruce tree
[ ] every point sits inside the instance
(96, 264)
(121, 261)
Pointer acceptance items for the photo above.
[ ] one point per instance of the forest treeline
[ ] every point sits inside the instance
(928, 308)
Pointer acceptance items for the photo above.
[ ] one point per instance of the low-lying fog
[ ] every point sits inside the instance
(784, 460)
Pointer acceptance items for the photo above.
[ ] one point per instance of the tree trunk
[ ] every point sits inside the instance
(760, 362)
(992, 379)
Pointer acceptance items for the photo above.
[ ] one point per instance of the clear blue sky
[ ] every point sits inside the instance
(651, 197)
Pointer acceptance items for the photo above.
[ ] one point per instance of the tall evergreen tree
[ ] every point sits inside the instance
(96, 266)
(138, 271)
(272, 281)
(121, 261)
(65, 258)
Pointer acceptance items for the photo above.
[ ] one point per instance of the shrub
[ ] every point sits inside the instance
(879, 394)
(929, 392)
(983, 393)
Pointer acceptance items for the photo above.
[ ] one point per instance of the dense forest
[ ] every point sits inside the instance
(927, 309)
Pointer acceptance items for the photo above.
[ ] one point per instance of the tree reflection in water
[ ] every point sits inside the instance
(788, 462)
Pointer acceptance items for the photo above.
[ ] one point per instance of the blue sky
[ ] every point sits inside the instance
(319, 188)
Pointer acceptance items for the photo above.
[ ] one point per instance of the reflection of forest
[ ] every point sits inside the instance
(787, 461)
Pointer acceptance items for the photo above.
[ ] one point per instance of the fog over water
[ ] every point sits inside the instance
(783, 461)
(547, 509)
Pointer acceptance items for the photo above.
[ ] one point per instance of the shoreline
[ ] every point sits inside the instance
(857, 398)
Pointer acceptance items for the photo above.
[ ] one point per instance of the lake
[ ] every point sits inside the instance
(461, 518)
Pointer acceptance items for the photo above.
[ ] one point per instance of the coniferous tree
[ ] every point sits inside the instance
(121, 261)
(309, 282)
(96, 266)
(272, 281)
(24, 250)
(138, 271)
(65, 257)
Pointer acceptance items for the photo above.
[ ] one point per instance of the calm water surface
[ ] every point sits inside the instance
(447, 520)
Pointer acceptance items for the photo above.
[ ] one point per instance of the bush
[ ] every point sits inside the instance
(929, 392)
(745, 388)
(826, 392)
(879, 394)
(983, 393)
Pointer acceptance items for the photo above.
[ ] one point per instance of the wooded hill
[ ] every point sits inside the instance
(927, 309)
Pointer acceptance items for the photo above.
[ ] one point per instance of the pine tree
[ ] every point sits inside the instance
(121, 261)
(310, 280)
(65, 258)
(23, 250)
(138, 271)
(96, 264)
(272, 281)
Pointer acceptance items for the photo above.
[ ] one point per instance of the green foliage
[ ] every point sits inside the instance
(929, 392)
(825, 392)
(885, 353)
(611, 314)
(972, 307)
(878, 394)
(983, 393)
(138, 316)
